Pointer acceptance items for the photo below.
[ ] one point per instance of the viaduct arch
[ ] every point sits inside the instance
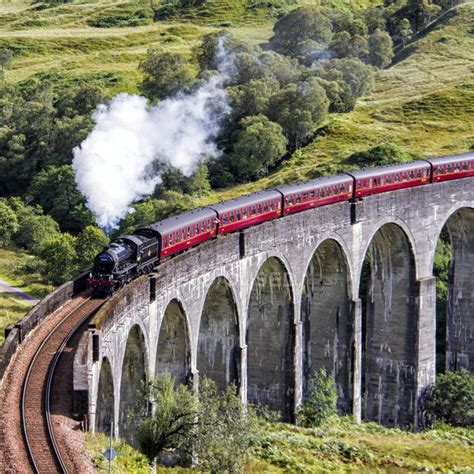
(266, 307)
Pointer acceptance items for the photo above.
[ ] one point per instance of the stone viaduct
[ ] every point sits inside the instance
(348, 286)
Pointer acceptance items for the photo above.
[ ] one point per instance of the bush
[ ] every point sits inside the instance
(8, 223)
(59, 256)
(320, 402)
(450, 399)
(380, 155)
(211, 426)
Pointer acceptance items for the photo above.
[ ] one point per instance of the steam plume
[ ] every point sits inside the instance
(114, 165)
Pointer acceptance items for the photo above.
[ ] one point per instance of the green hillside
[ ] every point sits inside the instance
(423, 103)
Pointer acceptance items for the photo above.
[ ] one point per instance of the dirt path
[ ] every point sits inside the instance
(16, 292)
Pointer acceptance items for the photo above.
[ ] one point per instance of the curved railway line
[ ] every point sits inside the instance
(45, 450)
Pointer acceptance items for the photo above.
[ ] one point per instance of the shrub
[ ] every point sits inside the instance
(320, 402)
(211, 426)
(450, 399)
(8, 223)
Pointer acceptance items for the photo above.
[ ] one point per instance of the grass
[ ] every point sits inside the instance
(16, 268)
(127, 460)
(11, 310)
(338, 446)
(343, 446)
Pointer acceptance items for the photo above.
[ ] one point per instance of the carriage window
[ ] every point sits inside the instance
(254, 210)
(238, 215)
(259, 208)
(231, 216)
(226, 218)
(412, 174)
(457, 167)
(244, 213)
(465, 165)
(312, 193)
(177, 237)
(183, 234)
(265, 207)
(272, 205)
(203, 227)
(405, 176)
(419, 173)
(343, 188)
(298, 198)
(388, 179)
(450, 168)
(305, 196)
(335, 189)
(370, 182)
(322, 193)
(440, 169)
(375, 181)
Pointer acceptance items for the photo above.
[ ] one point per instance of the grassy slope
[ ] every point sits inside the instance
(424, 103)
(14, 269)
(339, 446)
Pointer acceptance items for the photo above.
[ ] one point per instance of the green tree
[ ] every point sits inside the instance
(89, 243)
(54, 189)
(451, 399)
(297, 27)
(58, 255)
(173, 421)
(8, 223)
(299, 109)
(380, 49)
(34, 229)
(166, 73)
(211, 425)
(420, 13)
(403, 32)
(354, 79)
(321, 400)
(251, 98)
(224, 432)
(257, 147)
(5, 58)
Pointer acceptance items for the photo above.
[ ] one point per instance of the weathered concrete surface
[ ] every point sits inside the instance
(327, 320)
(273, 271)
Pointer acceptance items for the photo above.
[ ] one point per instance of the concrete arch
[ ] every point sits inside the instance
(132, 379)
(270, 339)
(459, 321)
(327, 319)
(173, 352)
(218, 353)
(104, 414)
(390, 329)
(370, 238)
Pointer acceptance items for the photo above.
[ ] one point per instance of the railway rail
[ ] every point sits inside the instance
(44, 448)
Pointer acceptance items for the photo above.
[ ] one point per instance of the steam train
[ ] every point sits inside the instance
(133, 255)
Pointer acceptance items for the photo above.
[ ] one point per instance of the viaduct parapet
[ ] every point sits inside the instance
(266, 307)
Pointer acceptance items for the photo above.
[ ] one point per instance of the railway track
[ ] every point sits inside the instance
(44, 449)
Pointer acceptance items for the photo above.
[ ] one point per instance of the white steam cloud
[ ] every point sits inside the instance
(114, 165)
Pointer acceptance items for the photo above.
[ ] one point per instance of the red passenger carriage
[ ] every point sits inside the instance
(389, 178)
(247, 210)
(317, 192)
(452, 167)
(182, 231)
